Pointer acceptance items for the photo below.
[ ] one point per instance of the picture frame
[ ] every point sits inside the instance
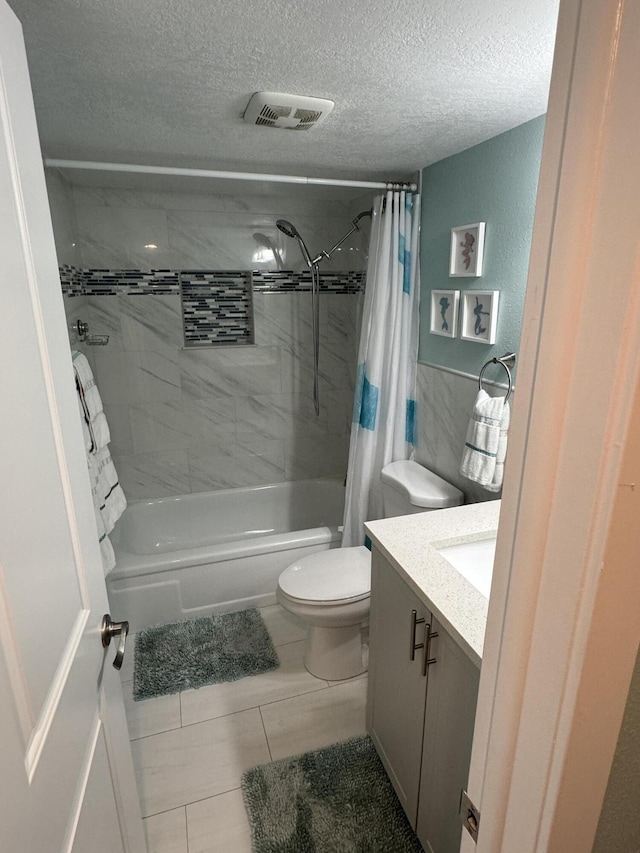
(467, 250)
(479, 316)
(444, 313)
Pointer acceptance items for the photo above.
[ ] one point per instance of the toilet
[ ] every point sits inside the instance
(331, 590)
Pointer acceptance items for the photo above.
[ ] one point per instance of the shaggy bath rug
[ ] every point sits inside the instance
(333, 800)
(183, 655)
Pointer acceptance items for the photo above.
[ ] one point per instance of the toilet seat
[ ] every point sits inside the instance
(340, 575)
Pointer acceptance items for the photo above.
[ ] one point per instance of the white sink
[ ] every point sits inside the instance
(474, 561)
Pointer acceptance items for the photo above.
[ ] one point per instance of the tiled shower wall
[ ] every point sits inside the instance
(194, 420)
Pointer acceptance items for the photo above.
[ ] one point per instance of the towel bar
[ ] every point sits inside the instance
(507, 361)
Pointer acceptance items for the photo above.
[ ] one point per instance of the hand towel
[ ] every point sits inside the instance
(496, 483)
(95, 428)
(486, 442)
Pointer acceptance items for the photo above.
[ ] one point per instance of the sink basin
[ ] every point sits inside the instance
(474, 561)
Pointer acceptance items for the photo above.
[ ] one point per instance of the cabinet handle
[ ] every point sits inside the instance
(426, 660)
(413, 646)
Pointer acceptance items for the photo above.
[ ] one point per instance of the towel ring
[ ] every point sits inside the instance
(506, 361)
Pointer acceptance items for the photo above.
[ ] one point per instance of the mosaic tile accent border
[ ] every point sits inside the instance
(130, 282)
(71, 281)
(330, 282)
(216, 308)
(104, 282)
(217, 305)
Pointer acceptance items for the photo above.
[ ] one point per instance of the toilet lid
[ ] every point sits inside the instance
(334, 575)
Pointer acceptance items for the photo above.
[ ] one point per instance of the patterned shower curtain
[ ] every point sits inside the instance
(384, 405)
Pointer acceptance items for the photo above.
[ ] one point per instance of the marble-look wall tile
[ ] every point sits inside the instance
(338, 403)
(116, 238)
(151, 323)
(137, 377)
(63, 217)
(252, 463)
(230, 371)
(181, 424)
(223, 241)
(444, 403)
(216, 230)
(322, 457)
(286, 318)
(104, 319)
(280, 416)
(222, 197)
(153, 475)
(118, 416)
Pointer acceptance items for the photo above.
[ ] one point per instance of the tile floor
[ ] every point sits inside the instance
(191, 749)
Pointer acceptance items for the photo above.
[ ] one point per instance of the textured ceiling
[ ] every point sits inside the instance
(167, 81)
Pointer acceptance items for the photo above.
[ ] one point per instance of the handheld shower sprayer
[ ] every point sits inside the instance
(290, 230)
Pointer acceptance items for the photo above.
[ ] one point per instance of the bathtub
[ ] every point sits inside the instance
(192, 555)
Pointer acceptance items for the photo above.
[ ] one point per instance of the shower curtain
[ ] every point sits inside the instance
(384, 404)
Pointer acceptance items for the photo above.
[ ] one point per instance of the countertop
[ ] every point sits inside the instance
(410, 543)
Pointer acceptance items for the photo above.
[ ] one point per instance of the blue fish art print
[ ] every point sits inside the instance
(444, 305)
(478, 328)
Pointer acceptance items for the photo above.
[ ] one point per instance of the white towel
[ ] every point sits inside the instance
(95, 427)
(106, 548)
(108, 497)
(486, 442)
(109, 501)
(496, 483)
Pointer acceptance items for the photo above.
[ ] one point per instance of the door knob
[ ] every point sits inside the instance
(111, 629)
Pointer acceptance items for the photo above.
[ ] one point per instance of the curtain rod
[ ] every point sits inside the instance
(212, 173)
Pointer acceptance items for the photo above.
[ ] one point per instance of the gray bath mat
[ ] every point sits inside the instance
(333, 800)
(183, 655)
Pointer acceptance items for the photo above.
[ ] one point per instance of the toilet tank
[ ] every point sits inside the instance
(408, 487)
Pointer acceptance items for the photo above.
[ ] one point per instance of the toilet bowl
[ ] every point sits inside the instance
(331, 590)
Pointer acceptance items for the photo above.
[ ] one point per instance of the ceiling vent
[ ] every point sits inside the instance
(289, 112)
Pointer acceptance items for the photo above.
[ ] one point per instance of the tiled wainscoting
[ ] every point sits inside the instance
(190, 749)
(192, 420)
(444, 402)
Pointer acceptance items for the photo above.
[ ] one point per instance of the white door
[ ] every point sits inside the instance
(66, 775)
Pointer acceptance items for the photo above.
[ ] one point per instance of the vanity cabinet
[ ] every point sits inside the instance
(420, 707)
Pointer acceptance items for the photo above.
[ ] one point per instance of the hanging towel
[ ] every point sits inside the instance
(106, 548)
(95, 427)
(496, 483)
(486, 443)
(108, 497)
(109, 501)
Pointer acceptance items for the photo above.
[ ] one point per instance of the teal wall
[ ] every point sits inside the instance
(494, 182)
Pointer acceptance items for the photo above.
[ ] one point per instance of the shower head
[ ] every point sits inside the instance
(291, 231)
(287, 228)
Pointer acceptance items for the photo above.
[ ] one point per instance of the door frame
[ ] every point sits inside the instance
(564, 613)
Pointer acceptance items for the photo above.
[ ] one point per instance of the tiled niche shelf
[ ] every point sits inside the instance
(216, 308)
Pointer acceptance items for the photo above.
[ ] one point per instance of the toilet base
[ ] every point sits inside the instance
(334, 653)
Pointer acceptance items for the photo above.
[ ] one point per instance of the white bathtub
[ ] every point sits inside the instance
(187, 556)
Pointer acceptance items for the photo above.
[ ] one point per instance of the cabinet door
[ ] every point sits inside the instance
(395, 703)
(448, 735)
